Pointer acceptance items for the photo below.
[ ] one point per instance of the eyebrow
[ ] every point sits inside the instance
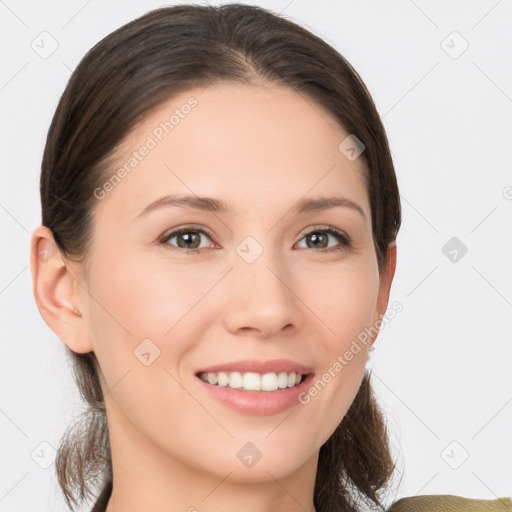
(211, 204)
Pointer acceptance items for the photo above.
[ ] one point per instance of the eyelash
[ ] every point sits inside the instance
(342, 237)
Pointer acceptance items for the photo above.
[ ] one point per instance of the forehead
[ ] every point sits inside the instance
(264, 143)
(244, 119)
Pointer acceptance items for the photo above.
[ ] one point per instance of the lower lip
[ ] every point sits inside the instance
(258, 403)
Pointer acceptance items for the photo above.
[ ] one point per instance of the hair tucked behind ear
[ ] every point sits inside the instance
(123, 78)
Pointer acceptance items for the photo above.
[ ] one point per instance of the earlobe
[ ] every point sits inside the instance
(55, 288)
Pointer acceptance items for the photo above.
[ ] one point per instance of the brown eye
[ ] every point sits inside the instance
(319, 239)
(186, 239)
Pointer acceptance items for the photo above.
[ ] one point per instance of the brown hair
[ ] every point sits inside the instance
(123, 78)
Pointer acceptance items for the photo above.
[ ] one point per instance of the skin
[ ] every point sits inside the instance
(260, 149)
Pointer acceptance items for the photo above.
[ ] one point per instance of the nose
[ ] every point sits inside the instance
(260, 298)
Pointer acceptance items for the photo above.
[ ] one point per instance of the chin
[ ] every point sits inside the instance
(262, 461)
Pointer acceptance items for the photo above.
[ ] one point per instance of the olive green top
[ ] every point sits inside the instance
(422, 503)
(449, 503)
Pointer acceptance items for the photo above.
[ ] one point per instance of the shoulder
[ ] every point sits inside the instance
(449, 503)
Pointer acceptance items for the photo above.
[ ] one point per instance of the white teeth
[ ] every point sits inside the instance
(235, 380)
(222, 379)
(282, 380)
(251, 381)
(269, 382)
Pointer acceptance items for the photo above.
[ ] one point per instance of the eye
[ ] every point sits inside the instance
(319, 238)
(188, 239)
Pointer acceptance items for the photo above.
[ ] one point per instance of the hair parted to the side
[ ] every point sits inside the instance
(122, 79)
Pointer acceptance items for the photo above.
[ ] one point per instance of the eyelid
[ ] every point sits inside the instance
(190, 227)
(322, 227)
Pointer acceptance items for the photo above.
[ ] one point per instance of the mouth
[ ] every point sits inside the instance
(253, 381)
(256, 394)
(256, 387)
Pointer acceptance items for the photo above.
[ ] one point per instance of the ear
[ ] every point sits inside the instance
(386, 278)
(58, 292)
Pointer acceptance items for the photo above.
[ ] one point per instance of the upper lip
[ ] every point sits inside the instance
(259, 366)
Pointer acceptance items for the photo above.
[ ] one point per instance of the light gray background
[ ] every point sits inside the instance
(442, 366)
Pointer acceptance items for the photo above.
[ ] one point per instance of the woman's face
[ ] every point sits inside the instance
(268, 282)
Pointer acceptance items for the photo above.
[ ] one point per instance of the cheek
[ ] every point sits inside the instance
(346, 304)
(141, 298)
(144, 321)
(137, 323)
(134, 310)
(344, 301)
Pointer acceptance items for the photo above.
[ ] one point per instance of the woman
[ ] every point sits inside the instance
(219, 216)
